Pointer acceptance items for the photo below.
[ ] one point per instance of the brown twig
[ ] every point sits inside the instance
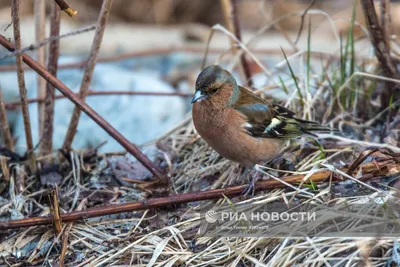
(65, 7)
(52, 66)
(88, 74)
(67, 229)
(13, 105)
(162, 202)
(377, 37)
(229, 8)
(40, 35)
(5, 168)
(20, 179)
(21, 83)
(386, 22)
(47, 41)
(55, 210)
(363, 156)
(131, 148)
(5, 128)
(64, 244)
(302, 20)
(238, 34)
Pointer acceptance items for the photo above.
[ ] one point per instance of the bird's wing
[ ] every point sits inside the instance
(272, 121)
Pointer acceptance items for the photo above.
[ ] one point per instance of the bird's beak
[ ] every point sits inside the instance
(199, 95)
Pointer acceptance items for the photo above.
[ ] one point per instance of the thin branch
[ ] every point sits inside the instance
(55, 207)
(302, 20)
(377, 37)
(21, 82)
(88, 74)
(363, 156)
(236, 28)
(5, 128)
(131, 148)
(52, 66)
(49, 40)
(386, 22)
(13, 105)
(65, 7)
(317, 177)
(231, 17)
(40, 34)
(67, 230)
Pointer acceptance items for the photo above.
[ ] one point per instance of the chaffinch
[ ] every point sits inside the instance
(240, 125)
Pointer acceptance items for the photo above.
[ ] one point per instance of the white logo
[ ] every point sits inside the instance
(211, 216)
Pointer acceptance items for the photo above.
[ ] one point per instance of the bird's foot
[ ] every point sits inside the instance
(249, 190)
(254, 176)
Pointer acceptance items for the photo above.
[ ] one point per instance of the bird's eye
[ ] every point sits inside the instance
(214, 90)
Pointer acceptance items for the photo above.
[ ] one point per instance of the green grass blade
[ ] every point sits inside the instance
(309, 54)
(294, 79)
(283, 85)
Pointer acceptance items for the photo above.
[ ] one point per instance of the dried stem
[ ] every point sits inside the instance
(377, 37)
(131, 148)
(5, 128)
(55, 210)
(65, 7)
(13, 105)
(363, 156)
(231, 17)
(52, 66)
(21, 83)
(386, 22)
(238, 34)
(88, 74)
(302, 20)
(161, 202)
(67, 230)
(20, 174)
(40, 32)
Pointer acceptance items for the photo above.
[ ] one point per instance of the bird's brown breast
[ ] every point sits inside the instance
(223, 130)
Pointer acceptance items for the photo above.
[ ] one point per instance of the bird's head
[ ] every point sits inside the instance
(214, 84)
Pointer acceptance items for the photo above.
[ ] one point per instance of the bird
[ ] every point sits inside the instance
(240, 125)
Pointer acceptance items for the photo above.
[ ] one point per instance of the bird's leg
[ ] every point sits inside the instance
(253, 175)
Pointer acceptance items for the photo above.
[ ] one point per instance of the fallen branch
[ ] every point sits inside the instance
(131, 148)
(13, 105)
(318, 177)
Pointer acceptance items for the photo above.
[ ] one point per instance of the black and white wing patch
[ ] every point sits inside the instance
(274, 128)
(281, 123)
